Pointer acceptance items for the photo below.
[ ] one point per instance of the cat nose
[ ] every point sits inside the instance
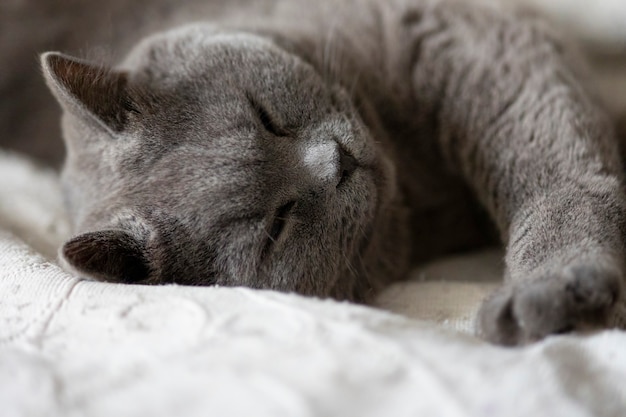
(347, 163)
(327, 163)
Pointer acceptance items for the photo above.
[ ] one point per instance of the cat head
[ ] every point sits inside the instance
(213, 157)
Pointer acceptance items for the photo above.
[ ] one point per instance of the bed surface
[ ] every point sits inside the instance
(70, 347)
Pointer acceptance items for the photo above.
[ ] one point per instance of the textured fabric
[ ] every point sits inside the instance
(70, 347)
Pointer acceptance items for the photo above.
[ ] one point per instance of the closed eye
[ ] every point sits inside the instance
(277, 226)
(266, 118)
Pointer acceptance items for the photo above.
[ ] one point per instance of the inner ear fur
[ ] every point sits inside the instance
(81, 86)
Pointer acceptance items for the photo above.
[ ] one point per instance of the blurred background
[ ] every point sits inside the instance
(600, 27)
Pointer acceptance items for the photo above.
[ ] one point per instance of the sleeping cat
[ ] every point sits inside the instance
(325, 147)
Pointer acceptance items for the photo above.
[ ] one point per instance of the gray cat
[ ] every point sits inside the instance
(325, 147)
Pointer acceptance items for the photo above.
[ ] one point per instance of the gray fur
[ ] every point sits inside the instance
(467, 125)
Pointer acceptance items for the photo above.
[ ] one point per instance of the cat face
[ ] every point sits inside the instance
(219, 158)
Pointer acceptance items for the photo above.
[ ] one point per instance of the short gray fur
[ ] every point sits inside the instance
(325, 147)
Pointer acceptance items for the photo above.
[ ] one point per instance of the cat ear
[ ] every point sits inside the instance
(88, 90)
(108, 255)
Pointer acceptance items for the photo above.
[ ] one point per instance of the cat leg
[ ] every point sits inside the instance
(515, 122)
(564, 268)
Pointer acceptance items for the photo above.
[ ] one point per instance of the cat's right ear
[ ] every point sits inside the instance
(89, 91)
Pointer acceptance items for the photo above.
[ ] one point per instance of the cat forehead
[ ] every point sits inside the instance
(194, 47)
(216, 67)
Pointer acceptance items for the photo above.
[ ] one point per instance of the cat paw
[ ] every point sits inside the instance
(574, 298)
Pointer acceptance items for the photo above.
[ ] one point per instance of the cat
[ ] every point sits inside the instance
(326, 147)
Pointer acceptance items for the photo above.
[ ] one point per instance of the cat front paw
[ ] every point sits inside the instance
(576, 297)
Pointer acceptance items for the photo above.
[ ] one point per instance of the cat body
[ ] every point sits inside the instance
(324, 147)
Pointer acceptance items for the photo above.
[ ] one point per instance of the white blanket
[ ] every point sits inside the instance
(77, 348)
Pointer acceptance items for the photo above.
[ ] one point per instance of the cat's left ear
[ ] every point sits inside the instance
(87, 90)
(108, 255)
